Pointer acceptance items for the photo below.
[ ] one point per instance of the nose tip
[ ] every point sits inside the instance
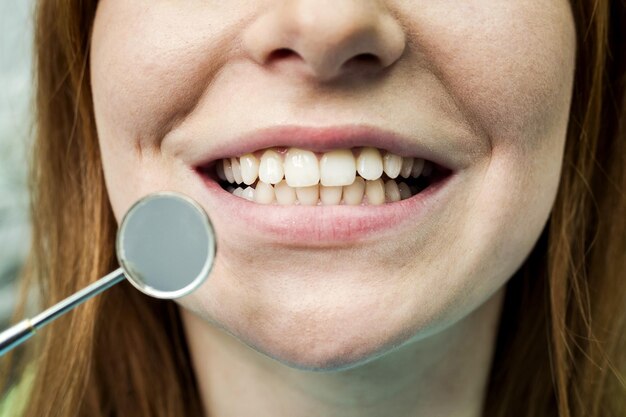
(326, 38)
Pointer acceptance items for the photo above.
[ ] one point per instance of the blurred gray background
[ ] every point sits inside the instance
(15, 138)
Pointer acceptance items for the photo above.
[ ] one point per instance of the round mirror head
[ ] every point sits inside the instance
(166, 245)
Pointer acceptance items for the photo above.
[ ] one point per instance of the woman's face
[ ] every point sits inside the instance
(481, 87)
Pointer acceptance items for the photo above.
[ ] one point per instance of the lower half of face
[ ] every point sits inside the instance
(331, 249)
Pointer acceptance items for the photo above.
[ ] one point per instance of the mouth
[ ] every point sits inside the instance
(365, 176)
(325, 188)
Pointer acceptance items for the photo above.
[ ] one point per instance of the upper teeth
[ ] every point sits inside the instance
(303, 168)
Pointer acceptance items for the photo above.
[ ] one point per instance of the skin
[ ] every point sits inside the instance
(404, 325)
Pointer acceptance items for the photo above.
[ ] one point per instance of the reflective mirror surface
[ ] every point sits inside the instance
(166, 245)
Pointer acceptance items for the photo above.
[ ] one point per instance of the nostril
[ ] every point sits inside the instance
(366, 58)
(281, 53)
(363, 62)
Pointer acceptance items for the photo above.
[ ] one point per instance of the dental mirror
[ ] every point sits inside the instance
(165, 247)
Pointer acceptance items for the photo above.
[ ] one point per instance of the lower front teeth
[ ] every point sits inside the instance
(361, 191)
(285, 195)
(308, 196)
(264, 193)
(392, 191)
(353, 193)
(330, 195)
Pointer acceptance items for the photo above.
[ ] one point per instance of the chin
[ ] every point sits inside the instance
(322, 350)
(328, 337)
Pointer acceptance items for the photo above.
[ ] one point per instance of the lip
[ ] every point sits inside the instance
(328, 138)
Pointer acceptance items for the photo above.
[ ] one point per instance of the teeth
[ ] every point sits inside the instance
(308, 196)
(337, 168)
(264, 193)
(405, 191)
(392, 164)
(238, 191)
(330, 195)
(234, 163)
(375, 192)
(418, 165)
(392, 193)
(407, 166)
(301, 168)
(228, 171)
(369, 164)
(271, 167)
(298, 177)
(285, 194)
(248, 193)
(353, 193)
(249, 168)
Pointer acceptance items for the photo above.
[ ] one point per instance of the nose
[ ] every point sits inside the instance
(326, 39)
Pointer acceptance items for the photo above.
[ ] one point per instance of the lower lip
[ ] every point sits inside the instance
(296, 225)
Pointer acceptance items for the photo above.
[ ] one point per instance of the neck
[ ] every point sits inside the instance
(441, 375)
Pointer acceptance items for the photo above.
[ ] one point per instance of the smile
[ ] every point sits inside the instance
(294, 176)
(326, 187)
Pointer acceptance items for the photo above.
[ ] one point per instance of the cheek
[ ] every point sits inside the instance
(150, 63)
(509, 65)
(510, 68)
(131, 85)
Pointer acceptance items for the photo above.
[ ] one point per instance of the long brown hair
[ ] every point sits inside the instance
(561, 348)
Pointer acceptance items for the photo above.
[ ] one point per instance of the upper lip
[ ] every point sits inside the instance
(324, 139)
